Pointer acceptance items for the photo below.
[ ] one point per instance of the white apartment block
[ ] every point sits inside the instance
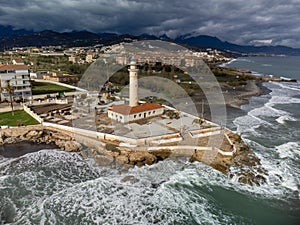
(19, 79)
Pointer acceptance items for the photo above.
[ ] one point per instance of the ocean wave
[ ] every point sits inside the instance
(283, 177)
(288, 150)
(244, 60)
(284, 118)
(227, 63)
(165, 193)
(267, 110)
(248, 124)
(281, 87)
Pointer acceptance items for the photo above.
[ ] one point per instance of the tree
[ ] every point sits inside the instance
(10, 91)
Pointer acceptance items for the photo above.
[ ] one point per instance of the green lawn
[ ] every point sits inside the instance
(20, 117)
(39, 88)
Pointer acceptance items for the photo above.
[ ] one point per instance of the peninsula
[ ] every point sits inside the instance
(137, 133)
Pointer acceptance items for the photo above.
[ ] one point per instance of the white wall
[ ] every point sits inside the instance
(133, 117)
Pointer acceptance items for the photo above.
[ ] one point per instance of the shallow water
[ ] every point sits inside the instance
(22, 148)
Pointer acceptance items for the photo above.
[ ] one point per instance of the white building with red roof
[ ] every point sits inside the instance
(134, 111)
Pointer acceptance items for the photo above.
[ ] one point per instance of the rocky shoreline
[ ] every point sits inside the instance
(107, 153)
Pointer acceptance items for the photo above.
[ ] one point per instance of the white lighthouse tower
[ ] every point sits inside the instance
(125, 113)
(133, 84)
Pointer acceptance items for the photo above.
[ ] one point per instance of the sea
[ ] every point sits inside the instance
(55, 187)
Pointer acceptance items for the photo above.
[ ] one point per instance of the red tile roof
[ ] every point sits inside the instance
(13, 67)
(18, 60)
(126, 109)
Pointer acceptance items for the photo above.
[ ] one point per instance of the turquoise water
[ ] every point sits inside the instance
(279, 66)
(55, 187)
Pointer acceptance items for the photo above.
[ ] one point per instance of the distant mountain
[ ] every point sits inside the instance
(20, 38)
(68, 39)
(164, 37)
(204, 41)
(9, 31)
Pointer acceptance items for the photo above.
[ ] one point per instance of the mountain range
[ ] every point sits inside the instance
(10, 37)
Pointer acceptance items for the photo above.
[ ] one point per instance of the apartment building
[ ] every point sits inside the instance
(18, 76)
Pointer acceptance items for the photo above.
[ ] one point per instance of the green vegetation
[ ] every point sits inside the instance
(10, 91)
(20, 118)
(59, 64)
(39, 88)
(233, 77)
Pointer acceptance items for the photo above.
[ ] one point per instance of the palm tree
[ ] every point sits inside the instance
(10, 91)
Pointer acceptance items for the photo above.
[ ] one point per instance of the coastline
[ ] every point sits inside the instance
(234, 96)
(107, 153)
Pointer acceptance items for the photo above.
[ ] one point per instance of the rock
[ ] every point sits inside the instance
(130, 179)
(1, 139)
(84, 153)
(141, 158)
(10, 140)
(60, 144)
(72, 146)
(161, 154)
(60, 136)
(104, 160)
(235, 137)
(122, 159)
(34, 134)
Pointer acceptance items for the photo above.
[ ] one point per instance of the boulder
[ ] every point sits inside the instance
(122, 159)
(10, 140)
(72, 146)
(161, 154)
(130, 179)
(60, 136)
(235, 137)
(141, 158)
(104, 160)
(34, 134)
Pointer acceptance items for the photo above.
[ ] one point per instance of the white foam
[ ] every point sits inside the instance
(283, 100)
(227, 63)
(284, 118)
(290, 149)
(290, 184)
(249, 123)
(293, 87)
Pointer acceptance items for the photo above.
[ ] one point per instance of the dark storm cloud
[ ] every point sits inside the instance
(238, 21)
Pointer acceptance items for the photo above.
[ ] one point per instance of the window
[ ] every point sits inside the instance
(149, 113)
(153, 111)
(134, 116)
(140, 115)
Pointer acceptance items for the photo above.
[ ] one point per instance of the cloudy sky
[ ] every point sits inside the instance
(238, 21)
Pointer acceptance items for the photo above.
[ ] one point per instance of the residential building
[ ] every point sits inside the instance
(89, 57)
(18, 77)
(63, 78)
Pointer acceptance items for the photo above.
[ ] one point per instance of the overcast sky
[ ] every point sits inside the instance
(238, 21)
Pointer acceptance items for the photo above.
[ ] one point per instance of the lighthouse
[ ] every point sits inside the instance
(126, 113)
(133, 84)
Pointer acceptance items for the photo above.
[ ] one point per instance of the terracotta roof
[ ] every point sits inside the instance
(126, 109)
(13, 67)
(18, 60)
